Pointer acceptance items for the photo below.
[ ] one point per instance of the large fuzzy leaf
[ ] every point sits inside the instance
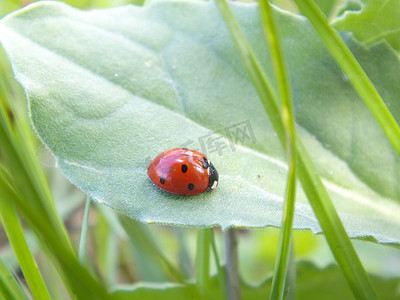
(110, 89)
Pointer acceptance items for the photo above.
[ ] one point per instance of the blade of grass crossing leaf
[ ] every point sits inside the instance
(312, 184)
(203, 261)
(15, 235)
(260, 80)
(9, 287)
(84, 229)
(354, 71)
(284, 248)
(334, 232)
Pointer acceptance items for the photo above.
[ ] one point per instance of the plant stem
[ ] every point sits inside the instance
(203, 261)
(84, 229)
(231, 266)
(290, 284)
(221, 275)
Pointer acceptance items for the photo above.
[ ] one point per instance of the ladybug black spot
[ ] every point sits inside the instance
(185, 149)
(162, 180)
(184, 168)
(190, 186)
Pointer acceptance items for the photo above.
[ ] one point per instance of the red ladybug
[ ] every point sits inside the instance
(183, 171)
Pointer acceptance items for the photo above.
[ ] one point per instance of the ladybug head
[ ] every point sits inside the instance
(213, 179)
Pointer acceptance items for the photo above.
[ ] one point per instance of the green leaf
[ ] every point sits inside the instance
(378, 20)
(108, 90)
(349, 5)
(328, 283)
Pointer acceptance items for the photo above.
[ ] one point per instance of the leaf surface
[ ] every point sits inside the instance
(108, 90)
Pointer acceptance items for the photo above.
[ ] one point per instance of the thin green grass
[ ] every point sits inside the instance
(9, 287)
(317, 195)
(84, 229)
(284, 246)
(203, 262)
(13, 229)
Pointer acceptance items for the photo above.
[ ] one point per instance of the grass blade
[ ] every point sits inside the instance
(203, 261)
(15, 235)
(260, 81)
(9, 287)
(317, 195)
(334, 232)
(354, 71)
(85, 222)
(78, 278)
(285, 238)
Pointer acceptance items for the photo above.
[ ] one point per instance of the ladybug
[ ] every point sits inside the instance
(183, 171)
